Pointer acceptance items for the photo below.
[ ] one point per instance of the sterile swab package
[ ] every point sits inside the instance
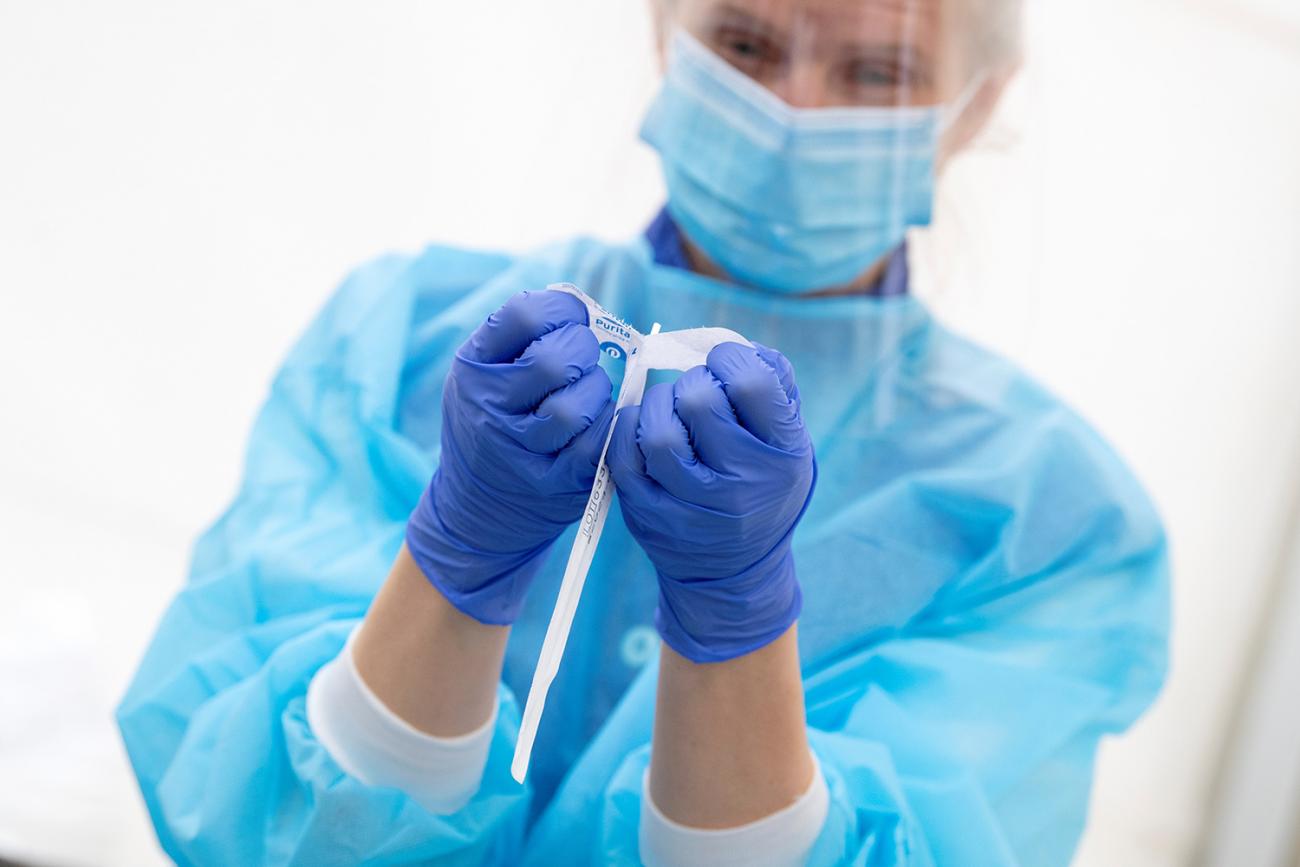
(658, 350)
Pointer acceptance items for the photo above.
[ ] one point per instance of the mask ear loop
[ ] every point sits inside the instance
(951, 112)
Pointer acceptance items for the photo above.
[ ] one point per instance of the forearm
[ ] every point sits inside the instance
(730, 745)
(431, 665)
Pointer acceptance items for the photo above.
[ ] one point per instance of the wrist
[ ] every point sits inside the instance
(710, 723)
(432, 665)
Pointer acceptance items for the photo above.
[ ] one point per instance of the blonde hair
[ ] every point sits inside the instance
(996, 30)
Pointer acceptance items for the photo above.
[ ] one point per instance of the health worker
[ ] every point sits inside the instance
(868, 593)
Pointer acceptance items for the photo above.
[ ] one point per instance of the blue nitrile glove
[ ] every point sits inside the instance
(525, 411)
(713, 473)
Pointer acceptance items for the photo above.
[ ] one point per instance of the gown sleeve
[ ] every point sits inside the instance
(215, 722)
(967, 735)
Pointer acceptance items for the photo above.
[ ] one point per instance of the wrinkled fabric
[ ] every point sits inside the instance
(985, 593)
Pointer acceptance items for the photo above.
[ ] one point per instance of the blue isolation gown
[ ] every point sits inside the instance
(985, 591)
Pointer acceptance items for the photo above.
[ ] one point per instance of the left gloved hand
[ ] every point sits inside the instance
(713, 473)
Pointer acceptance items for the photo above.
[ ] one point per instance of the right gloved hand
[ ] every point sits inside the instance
(714, 473)
(525, 411)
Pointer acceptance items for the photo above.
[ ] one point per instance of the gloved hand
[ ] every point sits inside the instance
(713, 472)
(525, 412)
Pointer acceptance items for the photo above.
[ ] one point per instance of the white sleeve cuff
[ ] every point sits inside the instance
(379, 748)
(786, 837)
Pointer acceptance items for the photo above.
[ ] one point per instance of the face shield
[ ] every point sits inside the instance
(800, 140)
(800, 144)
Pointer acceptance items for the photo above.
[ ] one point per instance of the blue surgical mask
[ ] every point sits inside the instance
(789, 200)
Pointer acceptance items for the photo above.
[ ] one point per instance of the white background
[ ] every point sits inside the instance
(181, 185)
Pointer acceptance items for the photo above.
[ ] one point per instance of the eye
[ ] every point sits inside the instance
(879, 80)
(741, 47)
(872, 74)
(751, 53)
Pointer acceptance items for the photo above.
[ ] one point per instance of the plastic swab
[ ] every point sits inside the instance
(676, 350)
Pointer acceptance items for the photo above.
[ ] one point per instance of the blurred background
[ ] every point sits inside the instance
(182, 185)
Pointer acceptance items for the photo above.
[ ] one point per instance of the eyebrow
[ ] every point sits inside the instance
(911, 54)
(728, 14)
